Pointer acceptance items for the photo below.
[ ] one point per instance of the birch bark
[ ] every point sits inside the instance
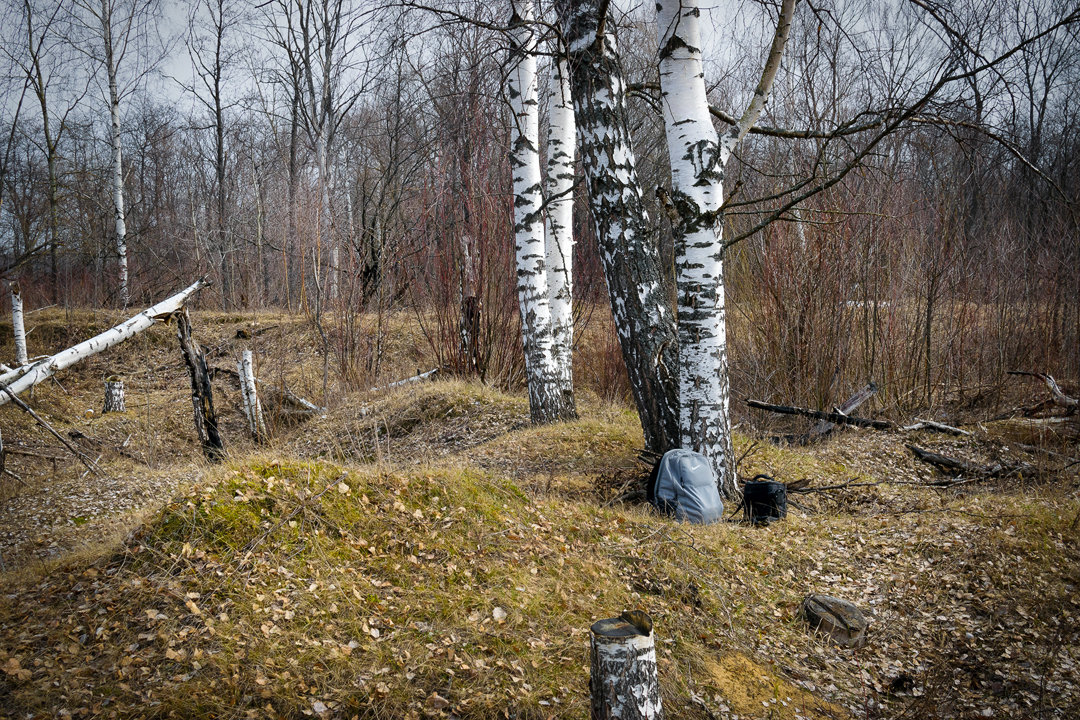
(545, 401)
(18, 326)
(559, 251)
(124, 291)
(698, 156)
(21, 379)
(627, 239)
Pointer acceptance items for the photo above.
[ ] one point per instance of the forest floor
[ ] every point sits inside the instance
(424, 552)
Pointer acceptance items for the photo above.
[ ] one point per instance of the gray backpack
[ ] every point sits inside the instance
(683, 485)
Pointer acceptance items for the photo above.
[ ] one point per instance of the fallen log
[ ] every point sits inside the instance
(415, 378)
(1059, 397)
(824, 426)
(954, 466)
(921, 424)
(833, 417)
(24, 378)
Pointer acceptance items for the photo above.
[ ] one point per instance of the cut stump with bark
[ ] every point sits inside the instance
(114, 395)
(623, 683)
(250, 396)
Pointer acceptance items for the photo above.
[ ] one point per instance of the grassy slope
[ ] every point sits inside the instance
(308, 579)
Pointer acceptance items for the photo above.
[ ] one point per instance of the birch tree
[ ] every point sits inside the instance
(123, 28)
(559, 251)
(698, 155)
(627, 239)
(54, 78)
(546, 402)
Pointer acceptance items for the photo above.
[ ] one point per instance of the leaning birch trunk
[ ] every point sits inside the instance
(17, 324)
(114, 395)
(117, 159)
(202, 394)
(698, 156)
(559, 250)
(250, 393)
(545, 401)
(628, 242)
(623, 682)
(21, 379)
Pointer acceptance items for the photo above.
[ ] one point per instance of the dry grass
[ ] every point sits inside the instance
(321, 576)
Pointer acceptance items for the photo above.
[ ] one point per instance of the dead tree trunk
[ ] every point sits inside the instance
(1060, 398)
(114, 395)
(833, 417)
(849, 406)
(202, 395)
(623, 684)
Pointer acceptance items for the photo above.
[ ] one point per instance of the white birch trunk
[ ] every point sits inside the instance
(17, 324)
(22, 379)
(698, 156)
(697, 192)
(117, 168)
(559, 251)
(544, 398)
(248, 391)
(626, 237)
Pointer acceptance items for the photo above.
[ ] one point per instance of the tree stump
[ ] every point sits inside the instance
(249, 394)
(114, 395)
(17, 325)
(623, 684)
(837, 619)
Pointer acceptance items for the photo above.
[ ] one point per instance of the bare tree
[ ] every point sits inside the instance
(124, 29)
(213, 51)
(325, 59)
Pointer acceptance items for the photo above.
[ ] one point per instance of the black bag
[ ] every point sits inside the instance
(764, 501)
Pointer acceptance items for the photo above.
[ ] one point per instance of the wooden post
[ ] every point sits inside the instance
(250, 395)
(114, 395)
(202, 395)
(623, 683)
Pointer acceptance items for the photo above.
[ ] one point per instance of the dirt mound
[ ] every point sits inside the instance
(411, 423)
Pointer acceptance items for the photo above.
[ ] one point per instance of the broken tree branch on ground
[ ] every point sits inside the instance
(954, 466)
(1060, 398)
(26, 377)
(833, 417)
